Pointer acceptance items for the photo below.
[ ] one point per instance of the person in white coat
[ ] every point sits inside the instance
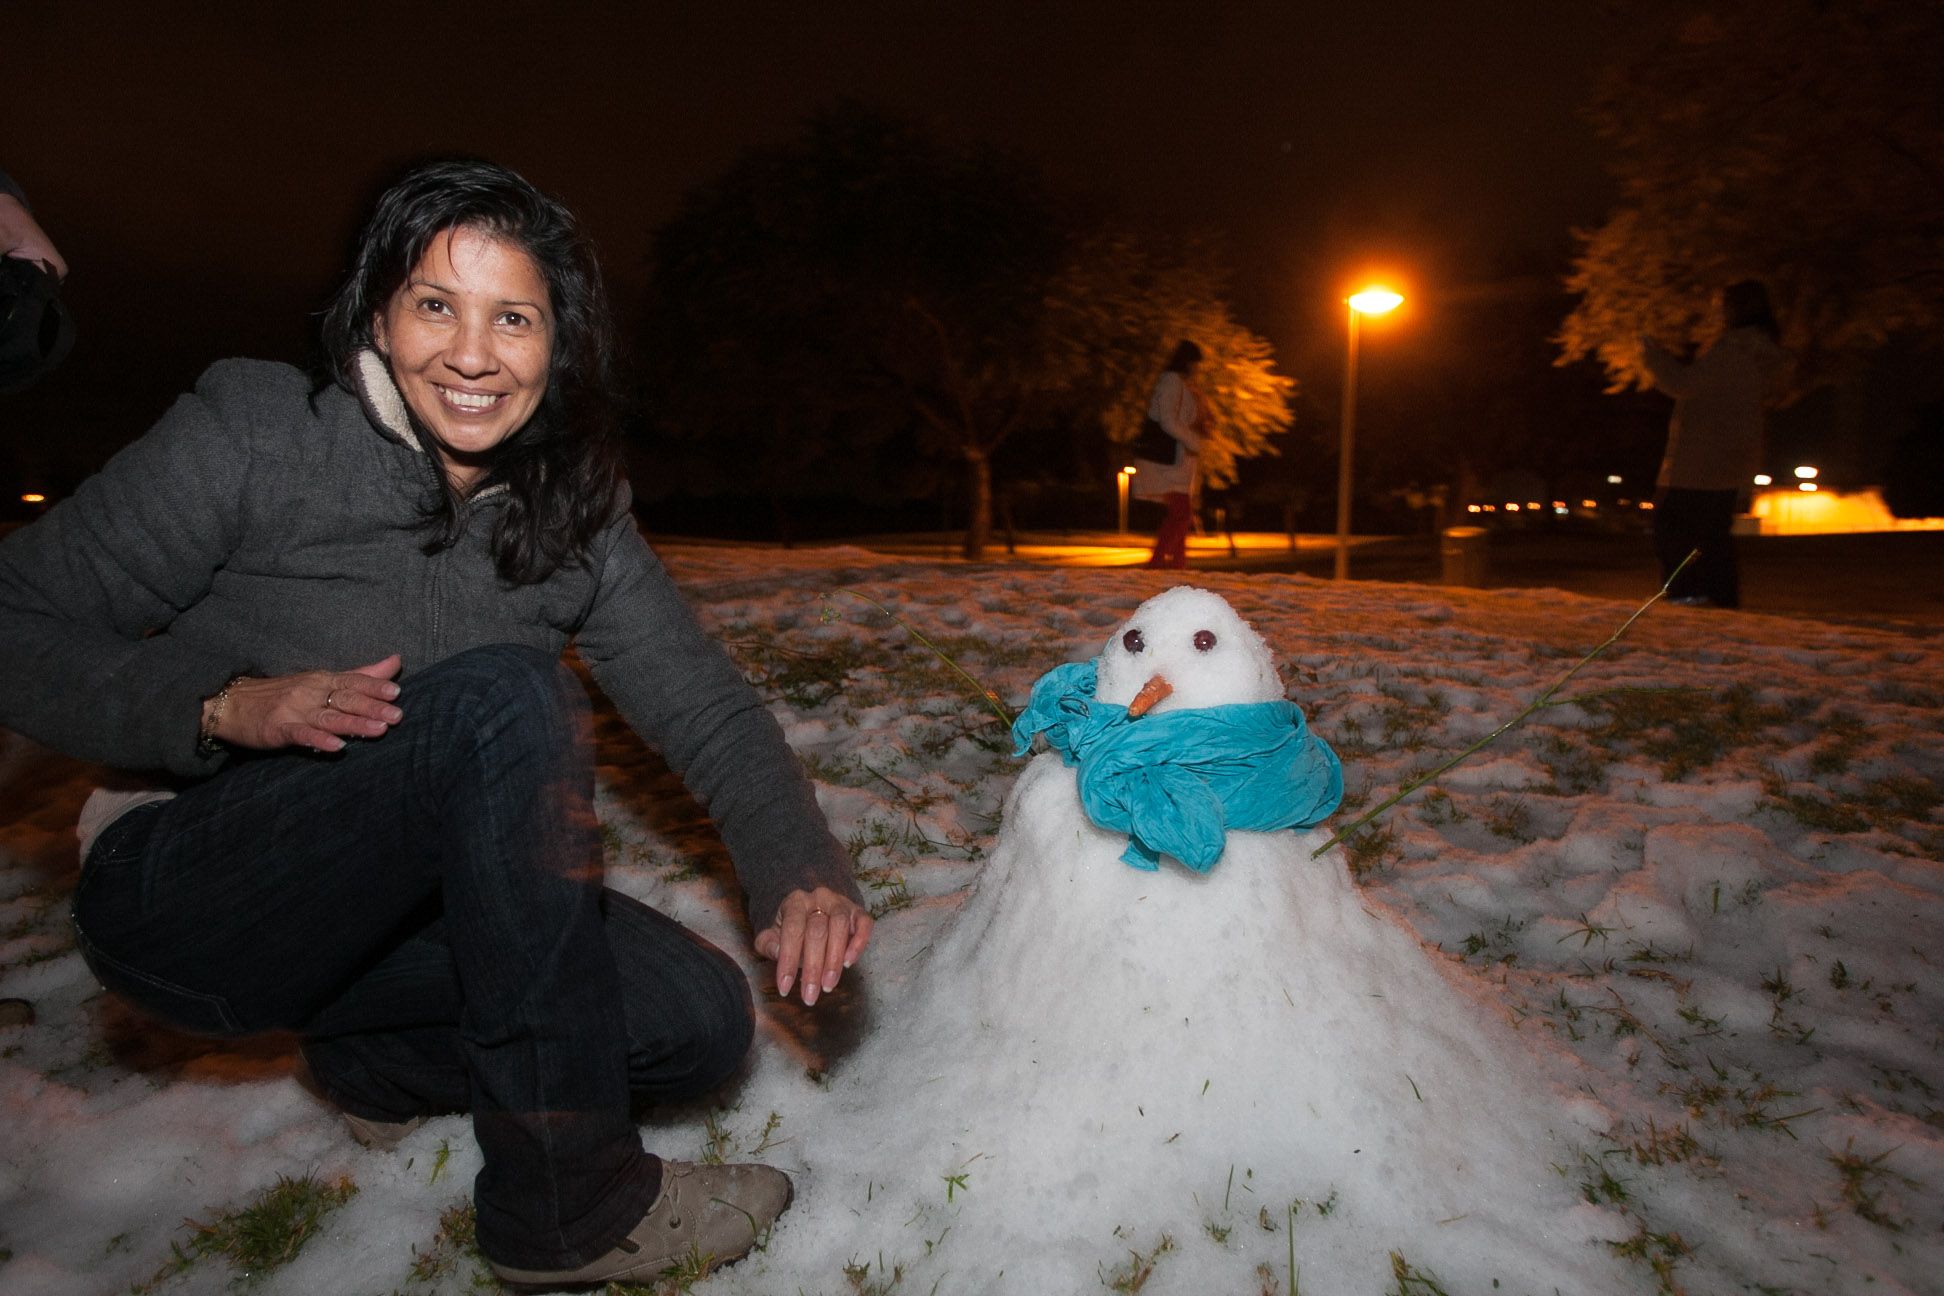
(1714, 443)
(1182, 413)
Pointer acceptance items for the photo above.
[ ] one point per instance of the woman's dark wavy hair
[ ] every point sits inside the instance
(562, 469)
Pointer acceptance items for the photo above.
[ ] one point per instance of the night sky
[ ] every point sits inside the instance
(203, 167)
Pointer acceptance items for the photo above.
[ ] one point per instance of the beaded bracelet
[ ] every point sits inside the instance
(206, 743)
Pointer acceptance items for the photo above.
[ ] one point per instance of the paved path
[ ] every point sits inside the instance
(1870, 578)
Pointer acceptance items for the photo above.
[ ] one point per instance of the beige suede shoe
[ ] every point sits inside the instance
(706, 1214)
(384, 1136)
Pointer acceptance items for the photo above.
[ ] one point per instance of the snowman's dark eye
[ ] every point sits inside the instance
(1204, 640)
(1133, 642)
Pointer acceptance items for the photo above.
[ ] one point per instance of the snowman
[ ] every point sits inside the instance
(1158, 1015)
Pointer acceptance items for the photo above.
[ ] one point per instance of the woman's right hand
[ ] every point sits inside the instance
(317, 709)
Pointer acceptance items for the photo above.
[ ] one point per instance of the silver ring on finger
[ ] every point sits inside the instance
(330, 703)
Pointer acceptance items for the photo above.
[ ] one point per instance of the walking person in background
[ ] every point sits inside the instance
(1182, 414)
(1714, 443)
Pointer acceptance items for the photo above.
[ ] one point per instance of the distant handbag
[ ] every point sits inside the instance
(1153, 443)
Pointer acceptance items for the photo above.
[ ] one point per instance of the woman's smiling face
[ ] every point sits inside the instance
(469, 338)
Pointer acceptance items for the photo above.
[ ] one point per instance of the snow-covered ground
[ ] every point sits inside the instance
(1644, 997)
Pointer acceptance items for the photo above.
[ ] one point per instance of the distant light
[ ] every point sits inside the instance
(1589, 503)
(1612, 480)
(1375, 300)
(1648, 505)
(1511, 508)
(1806, 473)
(1559, 503)
(1533, 505)
(1559, 508)
(1130, 470)
(1805, 486)
(32, 498)
(1763, 479)
(1491, 508)
(1473, 508)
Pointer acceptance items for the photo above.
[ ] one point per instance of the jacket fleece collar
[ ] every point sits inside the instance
(384, 405)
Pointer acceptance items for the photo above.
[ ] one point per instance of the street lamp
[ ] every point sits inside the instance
(1122, 477)
(1373, 300)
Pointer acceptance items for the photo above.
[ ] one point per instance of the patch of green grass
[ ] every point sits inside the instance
(454, 1243)
(1408, 723)
(1369, 850)
(1816, 813)
(1655, 1146)
(806, 677)
(1749, 1105)
(1864, 1180)
(1587, 931)
(1494, 946)
(1508, 817)
(1685, 730)
(1896, 803)
(1323, 1206)
(1438, 808)
(880, 850)
(263, 1235)
(720, 1142)
(1409, 1280)
(1652, 953)
(1600, 1186)
(1660, 1252)
(1900, 797)
(1132, 1274)
(840, 771)
(858, 1274)
(1576, 768)
(1907, 695)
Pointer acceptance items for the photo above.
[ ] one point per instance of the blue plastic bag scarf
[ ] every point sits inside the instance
(1176, 782)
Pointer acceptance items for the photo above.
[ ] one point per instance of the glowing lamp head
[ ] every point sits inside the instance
(1375, 301)
(1763, 479)
(1806, 473)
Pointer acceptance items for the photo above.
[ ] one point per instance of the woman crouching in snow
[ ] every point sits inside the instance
(337, 612)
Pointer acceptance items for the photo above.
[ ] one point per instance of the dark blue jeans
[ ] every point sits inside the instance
(426, 910)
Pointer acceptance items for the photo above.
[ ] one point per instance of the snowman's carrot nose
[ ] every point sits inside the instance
(1151, 692)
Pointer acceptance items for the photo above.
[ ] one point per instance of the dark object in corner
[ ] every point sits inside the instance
(36, 330)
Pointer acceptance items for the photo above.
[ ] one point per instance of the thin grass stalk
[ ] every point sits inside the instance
(986, 695)
(1369, 816)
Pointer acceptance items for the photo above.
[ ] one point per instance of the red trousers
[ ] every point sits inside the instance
(1171, 541)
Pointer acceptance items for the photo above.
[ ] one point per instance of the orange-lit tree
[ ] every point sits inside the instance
(1123, 305)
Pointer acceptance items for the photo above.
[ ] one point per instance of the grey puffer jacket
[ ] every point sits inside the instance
(254, 531)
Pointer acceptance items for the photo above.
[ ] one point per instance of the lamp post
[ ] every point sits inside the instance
(1122, 477)
(1371, 301)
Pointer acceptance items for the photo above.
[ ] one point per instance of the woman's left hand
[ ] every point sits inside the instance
(816, 935)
